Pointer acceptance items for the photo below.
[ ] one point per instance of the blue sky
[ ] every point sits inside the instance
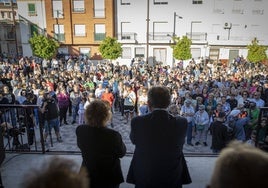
(8, 1)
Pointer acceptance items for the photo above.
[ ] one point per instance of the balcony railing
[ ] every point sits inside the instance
(60, 37)
(32, 13)
(99, 36)
(160, 36)
(127, 36)
(197, 36)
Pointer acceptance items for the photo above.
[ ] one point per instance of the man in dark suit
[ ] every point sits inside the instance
(158, 160)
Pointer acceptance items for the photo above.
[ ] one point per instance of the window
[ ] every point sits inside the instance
(79, 5)
(125, 2)
(57, 9)
(160, 2)
(196, 53)
(85, 51)
(197, 1)
(2, 14)
(238, 7)
(79, 30)
(10, 34)
(99, 32)
(218, 6)
(126, 53)
(160, 55)
(31, 9)
(99, 9)
(139, 52)
(59, 32)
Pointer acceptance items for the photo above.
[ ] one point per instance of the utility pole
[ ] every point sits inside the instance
(147, 31)
(14, 28)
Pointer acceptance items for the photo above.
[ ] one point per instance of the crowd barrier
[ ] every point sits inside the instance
(20, 130)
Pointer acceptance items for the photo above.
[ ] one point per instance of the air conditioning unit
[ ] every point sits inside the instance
(227, 25)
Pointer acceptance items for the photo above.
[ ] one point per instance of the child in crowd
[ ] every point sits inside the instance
(81, 111)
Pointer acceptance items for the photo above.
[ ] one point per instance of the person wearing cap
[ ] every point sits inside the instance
(238, 124)
(187, 111)
(219, 134)
(201, 120)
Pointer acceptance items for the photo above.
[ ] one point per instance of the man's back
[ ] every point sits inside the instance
(158, 157)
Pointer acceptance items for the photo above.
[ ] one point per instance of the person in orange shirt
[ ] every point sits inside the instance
(108, 96)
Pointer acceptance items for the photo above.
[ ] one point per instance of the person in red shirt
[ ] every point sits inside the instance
(108, 96)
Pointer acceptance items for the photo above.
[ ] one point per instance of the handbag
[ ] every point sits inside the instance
(200, 127)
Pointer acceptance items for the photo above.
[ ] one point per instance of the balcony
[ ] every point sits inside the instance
(127, 37)
(197, 37)
(160, 37)
(99, 36)
(60, 37)
(32, 13)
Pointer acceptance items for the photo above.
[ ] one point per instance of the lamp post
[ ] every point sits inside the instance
(193, 22)
(174, 24)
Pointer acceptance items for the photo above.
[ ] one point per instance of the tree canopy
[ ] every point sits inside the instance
(182, 48)
(256, 52)
(110, 48)
(43, 47)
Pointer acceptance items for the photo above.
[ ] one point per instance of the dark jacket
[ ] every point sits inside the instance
(101, 149)
(219, 135)
(158, 159)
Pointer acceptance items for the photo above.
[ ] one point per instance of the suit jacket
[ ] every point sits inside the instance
(158, 159)
(101, 149)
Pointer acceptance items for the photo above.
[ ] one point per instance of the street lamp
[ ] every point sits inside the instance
(174, 24)
(193, 22)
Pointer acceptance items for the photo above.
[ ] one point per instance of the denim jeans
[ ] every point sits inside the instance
(74, 111)
(189, 132)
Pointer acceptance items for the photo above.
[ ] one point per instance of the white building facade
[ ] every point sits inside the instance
(32, 18)
(219, 29)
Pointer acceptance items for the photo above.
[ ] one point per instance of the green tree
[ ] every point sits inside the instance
(43, 47)
(182, 48)
(110, 48)
(256, 52)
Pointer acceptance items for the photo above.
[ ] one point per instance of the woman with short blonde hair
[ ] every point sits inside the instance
(98, 113)
(100, 145)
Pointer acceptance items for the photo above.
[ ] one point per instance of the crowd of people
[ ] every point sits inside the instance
(200, 91)
(195, 100)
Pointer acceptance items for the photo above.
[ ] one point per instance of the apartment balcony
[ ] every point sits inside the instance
(197, 37)
(160, 37)
(127, 37)
(60, 37)
(99, 36)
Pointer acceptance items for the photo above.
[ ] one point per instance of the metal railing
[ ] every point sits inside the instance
(20, 129)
